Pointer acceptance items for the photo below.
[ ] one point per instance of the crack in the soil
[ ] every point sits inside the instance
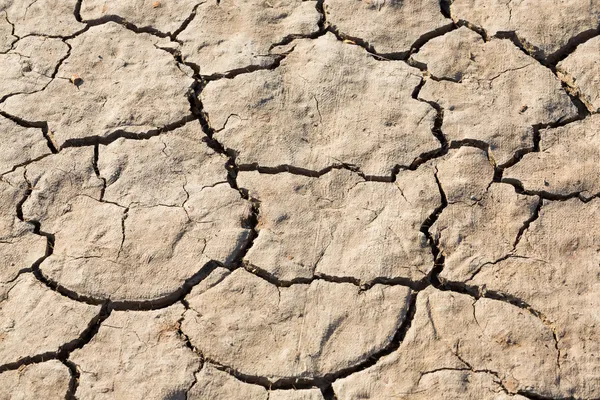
(186, 341)
(438, 256)
(495, 374)
(535, 396)
(436, 130)
(478, 292)
(97, 171)
(534, 216)
(64, 351)
(120, 133)
(24, 164)
(185, 23)
(328, 393)
(397, 56)
(321, 24)
(552, 59)
(362, 285)
(123, 231)
(572, 92)
(77, 11)
(569, 84)
(293, 170)
(148, 29)
(42, 125)
(12, 33)
(74, 381)
(518, 186)
(231, 74)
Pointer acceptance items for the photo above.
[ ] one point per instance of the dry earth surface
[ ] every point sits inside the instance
(299, 200)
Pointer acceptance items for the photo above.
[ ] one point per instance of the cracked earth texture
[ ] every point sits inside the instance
(299, 200)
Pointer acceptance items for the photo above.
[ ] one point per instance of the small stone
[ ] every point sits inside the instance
(76, 80)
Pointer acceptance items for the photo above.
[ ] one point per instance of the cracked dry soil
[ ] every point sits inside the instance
(299, 200)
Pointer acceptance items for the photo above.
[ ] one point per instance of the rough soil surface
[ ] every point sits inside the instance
(301, 200)
(491, 92)
(265, 322)
(546, 28)
(581, 70)
(296, 114)
(387, 27)
(42, 17)
(211, 45)
(362, 230)
(46, 380)
(137, 355)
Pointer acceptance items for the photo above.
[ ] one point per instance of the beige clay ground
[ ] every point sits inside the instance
(299, 200)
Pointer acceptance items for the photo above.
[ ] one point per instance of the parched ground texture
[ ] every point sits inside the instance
(300, 200)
